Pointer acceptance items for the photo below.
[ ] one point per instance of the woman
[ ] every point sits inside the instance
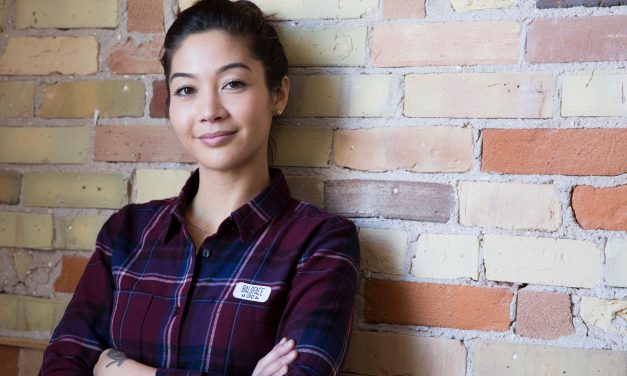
(216, 280)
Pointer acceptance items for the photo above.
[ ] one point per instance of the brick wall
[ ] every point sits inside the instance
(480, 146)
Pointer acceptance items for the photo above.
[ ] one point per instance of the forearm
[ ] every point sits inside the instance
(116, 363)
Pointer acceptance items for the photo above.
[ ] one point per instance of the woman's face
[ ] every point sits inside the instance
(220, 107)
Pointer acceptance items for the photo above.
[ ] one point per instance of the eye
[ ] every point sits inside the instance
(184, 91)
(234, 84)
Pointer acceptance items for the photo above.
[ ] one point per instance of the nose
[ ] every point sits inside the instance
(210, 108)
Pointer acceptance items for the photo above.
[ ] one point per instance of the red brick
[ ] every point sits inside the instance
(138, 143)
(159, 96)
(555, 151)
(71, 272)
(562, 40)
(601, 208)
(545, 315)
(9, 360)
(130, 58)
(403, 9)
(432, 202)
(428, 304)
(145, 16)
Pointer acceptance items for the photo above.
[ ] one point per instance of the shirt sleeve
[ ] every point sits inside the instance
(319, 310)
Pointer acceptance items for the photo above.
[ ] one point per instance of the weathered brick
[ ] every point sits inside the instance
(307, 188)
(325, 46)
(545, 315)
(419, 149)
(428, 304)
(318, 9)
(157, 102)
(78, 233)
(601, 208)
(22, 262)
(544, 261)
(561, 40)
(302, 146)
(145, 16)
(543, 4)
(555, 151)
(71, 271)
(10, 356)
(616, 262)
(452, 43)
(3, 5)
(184, 4)
(138, 143)
(470, 5)
(479, 95)
(446, 257)
(24, 313)
(596, 93)
(30, 361)
(82, 99)
(66, 14)
(383, 250)
(373, 353)
(509, 205)
(158, 184)
(10, 186)
(48, 145)
(402, 9)
(26, 230)
(431, 202)
(608, 315)
(510, 359)
(17, 99)
(50, 55)
(344, 96)
(74, 190)
(131, 58)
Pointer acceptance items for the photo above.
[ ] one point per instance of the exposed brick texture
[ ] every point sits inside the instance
(334, 46)
(471, 5)
(65, 14)
(145, 16)
(402, 9)
(594, 93)
(17, 99)
(71, 272)
(601, 208)
(10, 186)
(302, 146)
(134, 58)
(319, 9)
(10, 357)
(44, 145)
(543, 4)
(545, 315)
(158, 101)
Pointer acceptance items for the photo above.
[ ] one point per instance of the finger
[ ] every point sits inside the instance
(278, 351)
(281, 372)
(278, 364)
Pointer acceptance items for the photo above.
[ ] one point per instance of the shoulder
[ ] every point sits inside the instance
(313, 216)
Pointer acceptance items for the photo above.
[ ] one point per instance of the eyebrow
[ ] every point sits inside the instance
(222, 69)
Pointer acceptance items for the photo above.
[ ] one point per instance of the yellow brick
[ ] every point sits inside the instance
(78, 233)
(309, 147)
(184, 4)
(24, 313)
(308, 189)
(317, 9)
(83, 99)
(66, 14)
(597, 93)
(344, 96)
(89, 190)
(158, 184)
(17, 99)
(50, 55)
(3, 4)
(479, 95)
(44, 145)
(325, 46)
(469, 5)
(616, 262)
(10, 185)
(22, 262)
(446, 257)
(606, 315)
(9, 306)
(383, 250)
(38, 315)
(26, 230)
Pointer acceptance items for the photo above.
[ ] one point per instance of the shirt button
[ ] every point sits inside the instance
(206, 253)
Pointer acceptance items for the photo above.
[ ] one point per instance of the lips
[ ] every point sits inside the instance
(216, 138)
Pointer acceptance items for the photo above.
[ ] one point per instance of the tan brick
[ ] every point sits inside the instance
(23, 313)
(66, 14)
(372, 353)
(452, 43)
(47, 145)
(74, 190)
(479, 95)
(544, 261)
(545, 315)
(427, 304)
(402, 9)
(596, 93)
(158, 101)
(513, 206)
(431, 202)
(158, 184)
(17, 99)
(616, 262)
(10, 356)
(470, 5)
(419, 149)
(131, 58)
(10, 186)
(344, 96)
(139, 143)
(510, 359)
(9, 305)
(302, 146)
(82, 99)
(383, 250)
(325, 46)
(318, 9)
(30, 361)
(446, 257)
(78, 233)
(22, 263)
(71, 271)
(26, 230)
(561, 40)
(307, 188)
(184, 4)
(595, 151)
(145, 16)
(607, 315)
(601, 208)
(3, 5)
(50, 55)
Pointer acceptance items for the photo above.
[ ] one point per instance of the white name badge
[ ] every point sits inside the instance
(254, 293)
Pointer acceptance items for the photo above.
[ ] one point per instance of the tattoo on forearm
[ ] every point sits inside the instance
(118, 357)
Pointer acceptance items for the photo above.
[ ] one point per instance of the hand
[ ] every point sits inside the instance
(115, 363)
(276, 361)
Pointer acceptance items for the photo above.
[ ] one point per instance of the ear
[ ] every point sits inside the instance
(281, 95)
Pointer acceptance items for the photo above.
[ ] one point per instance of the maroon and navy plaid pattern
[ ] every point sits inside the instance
(148, 293)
